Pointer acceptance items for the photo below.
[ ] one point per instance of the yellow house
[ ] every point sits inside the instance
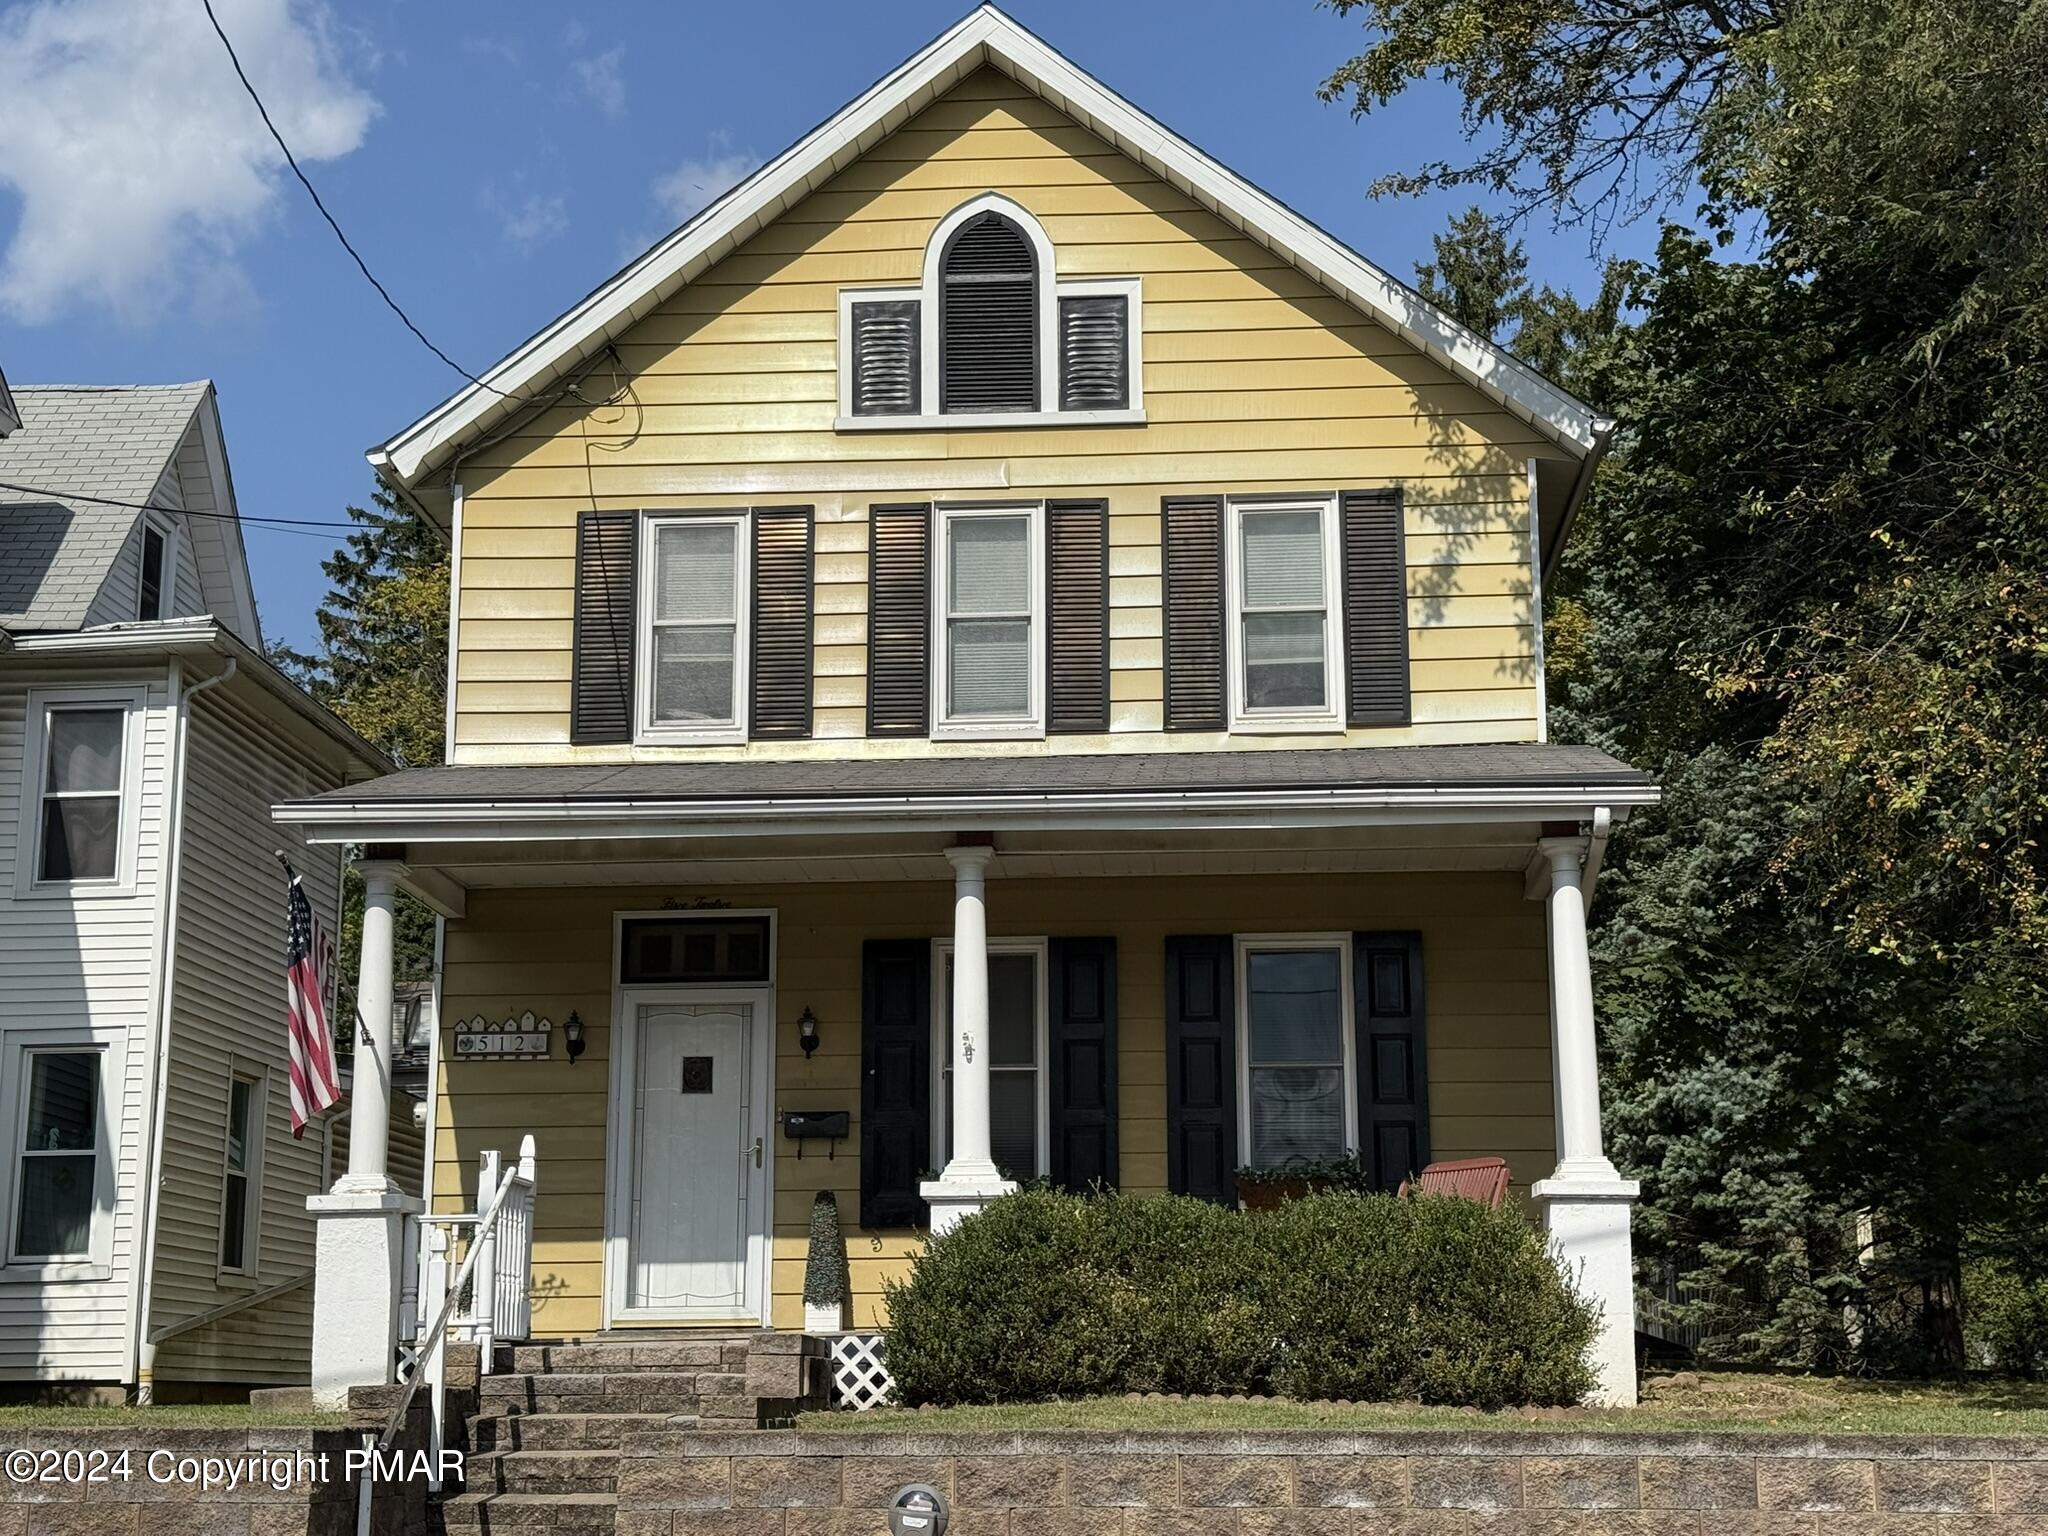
(996, 651)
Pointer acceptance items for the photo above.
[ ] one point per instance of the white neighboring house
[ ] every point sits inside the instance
(148, 1176)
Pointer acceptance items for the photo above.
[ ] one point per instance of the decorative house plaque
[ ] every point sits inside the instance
(522, 1039)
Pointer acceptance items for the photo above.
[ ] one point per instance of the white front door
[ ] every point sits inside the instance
(690, 1200)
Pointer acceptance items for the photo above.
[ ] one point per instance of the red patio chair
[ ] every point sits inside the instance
(1484, 1179)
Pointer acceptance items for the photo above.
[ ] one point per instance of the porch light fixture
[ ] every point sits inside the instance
(807, 1032)
(572, 1035)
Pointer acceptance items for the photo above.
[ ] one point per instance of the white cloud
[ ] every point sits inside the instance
(694, 183)
(139, 163)
(536, 219)
(602, 81)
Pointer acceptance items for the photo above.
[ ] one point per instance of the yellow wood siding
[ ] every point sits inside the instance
(551, 951)
(1255, 379)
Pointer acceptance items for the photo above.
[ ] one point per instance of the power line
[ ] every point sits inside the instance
(157, 506)
(361, 265)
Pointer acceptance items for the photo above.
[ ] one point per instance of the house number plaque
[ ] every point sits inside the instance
(522, 1039)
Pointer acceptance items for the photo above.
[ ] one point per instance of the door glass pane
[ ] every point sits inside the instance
(693, 571)
(56, 1206)
(1012, 1010)
(1283, 559)
(1297, 1112)
(991, 565)
(1283, 660)
(85, 749)
(63, 1096)
(1296, 1012)
(1013, 1123)
(991, 667)
(693, 675)
(81, 838)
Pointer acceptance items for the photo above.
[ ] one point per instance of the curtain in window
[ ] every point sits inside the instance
(82, 795)
(1283, 610)
(59, 1157)
(1295, 1046)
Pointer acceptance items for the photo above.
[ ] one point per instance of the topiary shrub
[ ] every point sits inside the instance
(1048, 1295)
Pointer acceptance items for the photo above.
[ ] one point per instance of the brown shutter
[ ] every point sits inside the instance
(1192, 530)
(1375, 609)
(780, 706)
(899, 620)
(885, 357)
(601, 663)
(1077, 611)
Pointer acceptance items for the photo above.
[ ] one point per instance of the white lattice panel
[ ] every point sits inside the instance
(859, 1378)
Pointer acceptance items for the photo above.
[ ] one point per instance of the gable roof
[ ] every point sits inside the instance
(986, 38)
(108, 447)
(10, 414)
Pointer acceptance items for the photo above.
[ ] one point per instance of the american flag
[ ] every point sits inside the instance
(309, 961)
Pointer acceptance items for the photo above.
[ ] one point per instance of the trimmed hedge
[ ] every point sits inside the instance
(1365, 1297)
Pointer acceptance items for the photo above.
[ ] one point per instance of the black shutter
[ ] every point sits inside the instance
(601, 661)
(896, 1080)
(1375, 609)
(1095, 355)
(780, 683)
(1393, 1056)
(1191, 527)
(885, 357)
(1201, 1068)
(1082, 1044)
(988, 319)
(899, 620)
(1077, 611)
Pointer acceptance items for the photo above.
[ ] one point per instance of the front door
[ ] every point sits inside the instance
(689, 1202)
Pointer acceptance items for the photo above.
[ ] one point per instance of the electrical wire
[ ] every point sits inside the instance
(362, 266)
(157, 506)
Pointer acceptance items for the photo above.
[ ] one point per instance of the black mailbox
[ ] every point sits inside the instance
(815, 1124)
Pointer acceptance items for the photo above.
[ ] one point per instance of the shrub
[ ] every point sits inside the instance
(1340, 1295)
(2005, 1320)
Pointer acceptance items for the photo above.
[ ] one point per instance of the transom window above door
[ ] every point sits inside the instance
(694, 628)
(991, 336)
(1297, 1093)
(990, 579)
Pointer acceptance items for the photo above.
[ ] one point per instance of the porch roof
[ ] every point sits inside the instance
(1519, 780)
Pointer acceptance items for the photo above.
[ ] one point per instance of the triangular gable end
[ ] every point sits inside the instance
(986, 38)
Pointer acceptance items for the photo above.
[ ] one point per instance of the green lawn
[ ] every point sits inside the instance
(1719, 1400)
(169, 1416)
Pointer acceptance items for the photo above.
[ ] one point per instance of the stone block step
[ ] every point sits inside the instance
(648, 1391)
(566, 1431)
(536, 1471)
(610, 1356)
(585, 1514)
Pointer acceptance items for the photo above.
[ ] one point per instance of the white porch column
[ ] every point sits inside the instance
(1585, 1201)
(971, 1179)
(359, 1226)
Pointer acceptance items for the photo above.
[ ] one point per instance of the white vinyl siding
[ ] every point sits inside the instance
(989, 622)
(693, 629)
(1284, 625)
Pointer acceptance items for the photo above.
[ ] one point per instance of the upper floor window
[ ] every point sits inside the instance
(157, 572)
(693, 621)
(990, 337)
(989, 585)
(1283, 632)
(80, 753)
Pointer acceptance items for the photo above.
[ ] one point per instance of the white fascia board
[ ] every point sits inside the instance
(986, 36)
(1214, 810)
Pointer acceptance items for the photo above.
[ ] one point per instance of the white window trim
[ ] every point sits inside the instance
(36, 777)
(1051, 289)
(15, 1048)
(1330, 718)
(646, 730)
(1041, 1026)
(167, 577)
(1031, 726)
(258, 1077)
(1245, 944)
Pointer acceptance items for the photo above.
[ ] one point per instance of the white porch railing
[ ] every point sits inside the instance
(466, 1276)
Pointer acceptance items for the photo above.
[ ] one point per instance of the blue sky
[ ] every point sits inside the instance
(495, 161)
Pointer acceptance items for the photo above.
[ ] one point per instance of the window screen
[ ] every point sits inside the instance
(1294, 1048)
(58, 1164)
(988, 617)
(1285, 596)
(695, 623)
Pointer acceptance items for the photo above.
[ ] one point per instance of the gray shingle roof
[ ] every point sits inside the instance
(112, 442)
(1522, 765)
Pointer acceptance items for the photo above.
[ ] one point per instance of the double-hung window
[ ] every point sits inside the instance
(80, 750)
(1017, 1089)
(1285, 625)
(989, 642)
(694, 631)
(1297, 1074)
(62, 1197)
(241, 1195)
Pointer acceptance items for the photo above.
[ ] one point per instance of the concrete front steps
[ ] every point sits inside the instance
(551, 1419)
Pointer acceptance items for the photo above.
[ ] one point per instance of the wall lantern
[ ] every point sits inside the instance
(572, 1035)
(807, 1032)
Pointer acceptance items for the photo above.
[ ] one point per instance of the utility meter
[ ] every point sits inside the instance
(917, 1510)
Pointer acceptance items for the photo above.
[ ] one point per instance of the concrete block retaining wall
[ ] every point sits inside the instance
(1322, 1483)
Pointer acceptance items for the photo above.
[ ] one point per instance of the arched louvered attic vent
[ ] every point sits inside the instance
(988, 319)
